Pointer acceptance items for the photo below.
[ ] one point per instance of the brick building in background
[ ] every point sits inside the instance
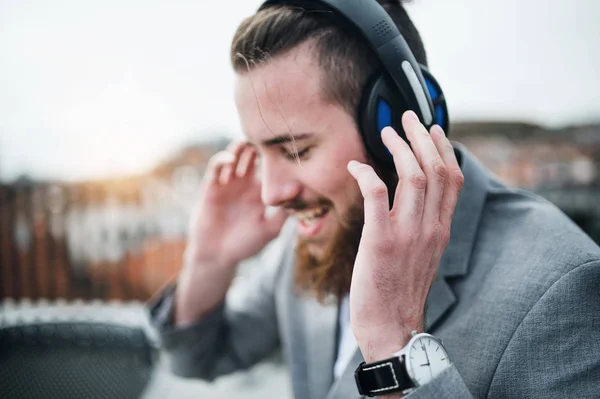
(112, 239)
(562, 165)
(124, 238)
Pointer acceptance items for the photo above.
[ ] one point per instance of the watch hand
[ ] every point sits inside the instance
(427, 357)
(426, 364)
(425, 350)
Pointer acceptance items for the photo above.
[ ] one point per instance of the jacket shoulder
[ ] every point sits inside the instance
(529, 231)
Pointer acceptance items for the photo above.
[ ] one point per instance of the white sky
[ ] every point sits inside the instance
(96, 88)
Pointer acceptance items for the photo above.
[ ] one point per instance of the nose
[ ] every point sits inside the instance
(278, 184)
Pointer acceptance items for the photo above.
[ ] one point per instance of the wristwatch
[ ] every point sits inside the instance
(420, 361)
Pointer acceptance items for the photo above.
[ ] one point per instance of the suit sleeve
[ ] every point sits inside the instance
(235, 336)
(449, 384)
(555, 352)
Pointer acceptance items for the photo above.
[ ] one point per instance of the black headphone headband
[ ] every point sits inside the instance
(381, 33)
(402, 85)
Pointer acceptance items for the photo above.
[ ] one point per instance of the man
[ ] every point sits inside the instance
(373, 251)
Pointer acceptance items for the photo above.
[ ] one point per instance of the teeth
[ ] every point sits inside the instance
(310, 215)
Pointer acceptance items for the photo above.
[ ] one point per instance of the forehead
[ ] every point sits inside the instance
(283, 96)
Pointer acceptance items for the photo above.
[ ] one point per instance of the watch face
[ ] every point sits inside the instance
(426, 358)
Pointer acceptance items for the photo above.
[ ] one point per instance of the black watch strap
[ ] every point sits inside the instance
(383, 377)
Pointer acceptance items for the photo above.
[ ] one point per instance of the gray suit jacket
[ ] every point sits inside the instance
(516, 303)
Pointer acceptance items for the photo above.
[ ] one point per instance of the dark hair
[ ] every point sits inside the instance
(345, 59)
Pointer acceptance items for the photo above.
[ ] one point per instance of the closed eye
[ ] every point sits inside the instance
(293, 155)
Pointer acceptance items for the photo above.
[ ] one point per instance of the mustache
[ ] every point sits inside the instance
(299, 204)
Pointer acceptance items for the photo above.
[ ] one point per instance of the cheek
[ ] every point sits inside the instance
(338, 162)
(333, 181)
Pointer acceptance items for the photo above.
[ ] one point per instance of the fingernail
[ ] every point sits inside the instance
(412, 116)
(352, 165)
(437, 129)
(387, 128)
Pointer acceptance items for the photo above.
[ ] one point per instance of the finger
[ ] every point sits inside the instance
(246, 162)
(375, 194)
(226, 173)
(233, 145)
(236, 148)
(216, 164)
(410, 193)
(431, 163)
(454, 179)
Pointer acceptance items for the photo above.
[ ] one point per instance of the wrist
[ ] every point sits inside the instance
(200, 289)
(195, 258)
(399, 371)
(382, 347)
(382, 342)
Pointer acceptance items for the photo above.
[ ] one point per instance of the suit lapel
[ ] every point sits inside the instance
(321, 324)
(345, 386)
(456, 258)
(439, 301)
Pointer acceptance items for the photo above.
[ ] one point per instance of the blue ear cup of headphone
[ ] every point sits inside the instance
(382, 105)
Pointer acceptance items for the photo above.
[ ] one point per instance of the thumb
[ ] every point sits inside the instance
(274, 220)
(375, 194)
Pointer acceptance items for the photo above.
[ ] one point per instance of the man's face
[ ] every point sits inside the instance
(283, 113)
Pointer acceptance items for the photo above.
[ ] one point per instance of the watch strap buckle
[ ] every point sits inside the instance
(380, 378)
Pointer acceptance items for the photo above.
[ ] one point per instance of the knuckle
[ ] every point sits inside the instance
(406, 240)
(439, 169)
(378, 190)
(418, 180)
(432, 234)
(457, 179)
(386, 245)
(447, 208)
(445, 238)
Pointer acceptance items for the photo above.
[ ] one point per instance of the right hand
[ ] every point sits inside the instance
(229, 223)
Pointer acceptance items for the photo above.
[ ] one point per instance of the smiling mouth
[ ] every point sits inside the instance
(311, 216)
(312, 220)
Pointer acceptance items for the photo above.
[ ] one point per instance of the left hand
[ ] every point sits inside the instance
(400, 249)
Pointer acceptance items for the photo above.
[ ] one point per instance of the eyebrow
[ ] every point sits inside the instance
(287, 138)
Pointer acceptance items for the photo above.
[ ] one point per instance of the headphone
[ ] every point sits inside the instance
(402, 85)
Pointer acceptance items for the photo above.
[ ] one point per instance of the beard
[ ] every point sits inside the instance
(328, 275)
